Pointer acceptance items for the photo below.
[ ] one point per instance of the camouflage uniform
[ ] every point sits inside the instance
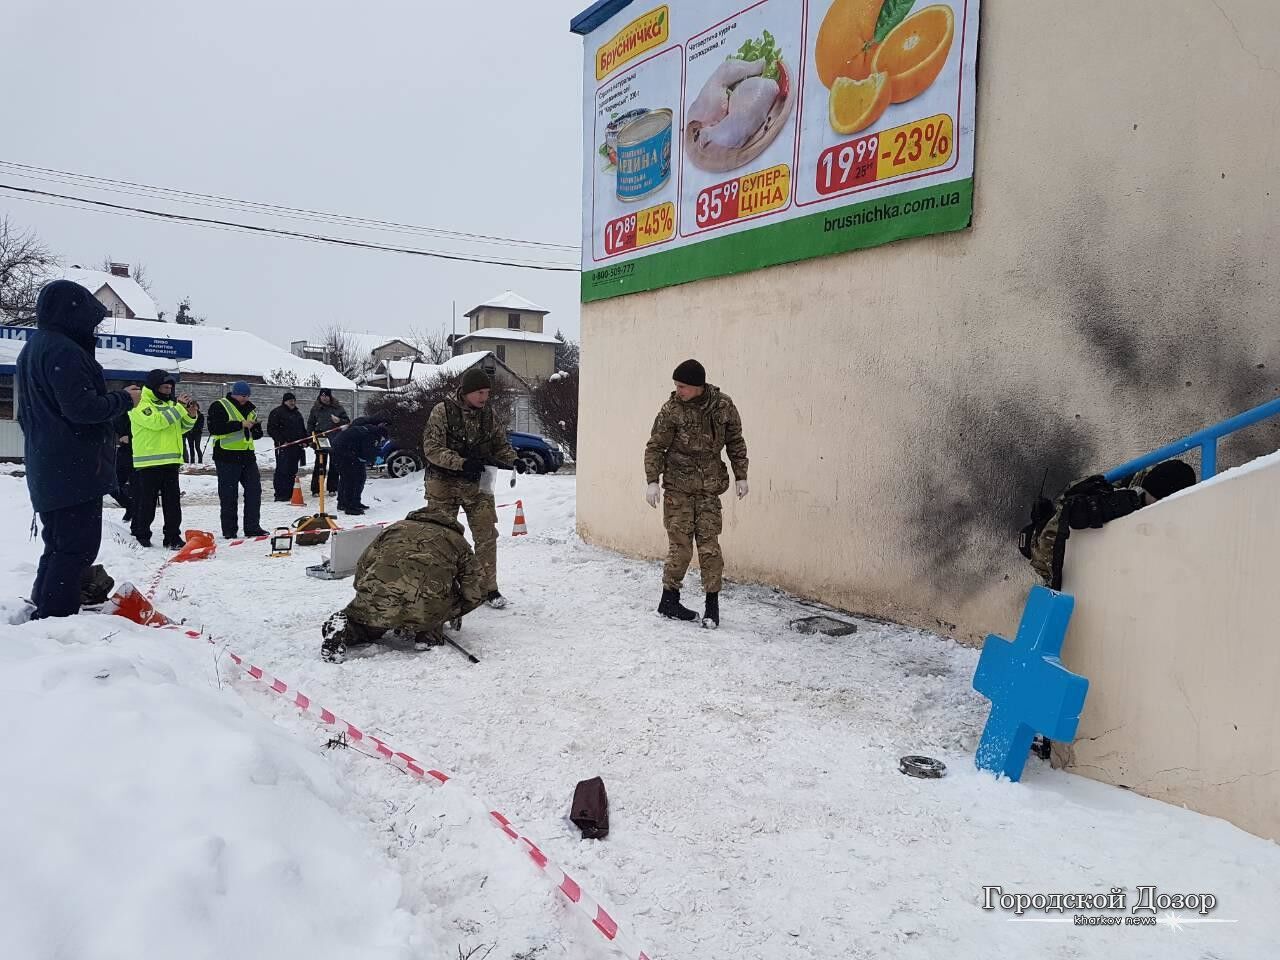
(419, 573)
(684, 449)
(472, 433)
(1048, 548)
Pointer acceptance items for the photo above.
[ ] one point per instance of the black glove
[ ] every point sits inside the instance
(472, 468)
(519, 466)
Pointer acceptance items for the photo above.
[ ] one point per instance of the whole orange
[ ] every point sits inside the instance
(843, 48)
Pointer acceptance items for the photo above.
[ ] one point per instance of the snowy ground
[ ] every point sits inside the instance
(174, 809)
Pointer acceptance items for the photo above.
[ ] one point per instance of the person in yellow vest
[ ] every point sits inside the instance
(158, 423)
(233, 426)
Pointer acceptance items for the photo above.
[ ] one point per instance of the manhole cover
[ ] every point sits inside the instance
(829, 626)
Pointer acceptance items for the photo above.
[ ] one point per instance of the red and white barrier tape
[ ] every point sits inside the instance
(569, 888)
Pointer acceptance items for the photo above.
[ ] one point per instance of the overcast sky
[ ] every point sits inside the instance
(465, 117)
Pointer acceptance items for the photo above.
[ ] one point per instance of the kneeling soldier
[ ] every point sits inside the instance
(417, 575)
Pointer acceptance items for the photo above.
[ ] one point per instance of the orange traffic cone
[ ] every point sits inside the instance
(199, 546)
(297, 500)
(518, 529)
(129, 603)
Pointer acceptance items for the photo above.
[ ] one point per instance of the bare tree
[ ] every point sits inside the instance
(434, 347)
(343, 352)
(280, 377)
(25, 266)
(555, 401)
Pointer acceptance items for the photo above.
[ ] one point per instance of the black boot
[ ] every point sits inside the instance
(670, 606)
(711, 619)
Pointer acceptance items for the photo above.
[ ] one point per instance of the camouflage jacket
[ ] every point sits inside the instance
(419, 573)
(687, 438)
(1048, 548)
(454, 435)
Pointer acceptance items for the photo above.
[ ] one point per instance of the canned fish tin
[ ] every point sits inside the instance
(610, 150)
(644, 155)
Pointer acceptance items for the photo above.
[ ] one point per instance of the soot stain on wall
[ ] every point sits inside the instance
(1170, 343)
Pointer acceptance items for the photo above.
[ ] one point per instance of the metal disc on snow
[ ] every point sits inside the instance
(926, 768)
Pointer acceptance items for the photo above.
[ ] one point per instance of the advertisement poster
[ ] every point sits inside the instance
(724, 137)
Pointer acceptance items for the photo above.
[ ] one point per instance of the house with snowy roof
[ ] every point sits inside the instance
(512, 328)
(117, 290)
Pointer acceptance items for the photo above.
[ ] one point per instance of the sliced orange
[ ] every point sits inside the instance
(857, 104)
(915, 51)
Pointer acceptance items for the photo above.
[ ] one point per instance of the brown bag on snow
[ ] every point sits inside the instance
(590, 810)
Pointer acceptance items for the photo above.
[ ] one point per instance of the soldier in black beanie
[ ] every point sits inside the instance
(695, 424)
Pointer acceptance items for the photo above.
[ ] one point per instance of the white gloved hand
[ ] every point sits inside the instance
(653, 494)
(742, 489)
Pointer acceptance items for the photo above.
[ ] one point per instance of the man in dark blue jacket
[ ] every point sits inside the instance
(353, 449)
(69, 444)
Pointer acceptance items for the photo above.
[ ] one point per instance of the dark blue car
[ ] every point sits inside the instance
(540, 454)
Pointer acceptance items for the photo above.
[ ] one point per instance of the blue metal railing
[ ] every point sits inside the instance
(1206, 440)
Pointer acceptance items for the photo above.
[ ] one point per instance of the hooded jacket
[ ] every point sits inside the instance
(63, 404)
(361, 440)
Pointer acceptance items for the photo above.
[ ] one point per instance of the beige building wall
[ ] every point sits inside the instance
(1176, 626)
(486, 318)
(108, 298)
(532, 361)
(902, 405)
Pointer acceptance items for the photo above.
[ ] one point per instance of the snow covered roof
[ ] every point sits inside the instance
(369, 342)
(510, 300)
(229, 353)
(502, 333)
(126, 288)
(401, 369)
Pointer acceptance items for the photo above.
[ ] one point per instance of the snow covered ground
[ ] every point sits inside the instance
(154, 803)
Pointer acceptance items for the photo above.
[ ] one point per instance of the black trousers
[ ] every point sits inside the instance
(147, 483)
(351, 477)
(123, 493)
(191, 447)
(287, 461)
(232, 475)
(71, 540)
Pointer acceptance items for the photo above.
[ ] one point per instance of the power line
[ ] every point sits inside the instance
(131, 188)
(30, 192)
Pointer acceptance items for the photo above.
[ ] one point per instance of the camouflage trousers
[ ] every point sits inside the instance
(482, 517)
(690, 519)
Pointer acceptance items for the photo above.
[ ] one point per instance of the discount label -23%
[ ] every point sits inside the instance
(641, 229)
(909, 148)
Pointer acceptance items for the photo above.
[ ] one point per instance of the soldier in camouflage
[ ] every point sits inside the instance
(418, 574)
(689, 433)
(1093, 502)
(463, 437)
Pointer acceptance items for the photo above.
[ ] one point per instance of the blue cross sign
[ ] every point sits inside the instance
(1030, 690)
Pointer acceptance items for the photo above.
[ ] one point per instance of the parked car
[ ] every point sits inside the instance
(540, 455)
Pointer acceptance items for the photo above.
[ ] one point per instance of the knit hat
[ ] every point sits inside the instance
(287, 397)
(1168, 477)
(474, 379)
(158, 378)
(691, 374)
(325, 392)
(240, 389)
